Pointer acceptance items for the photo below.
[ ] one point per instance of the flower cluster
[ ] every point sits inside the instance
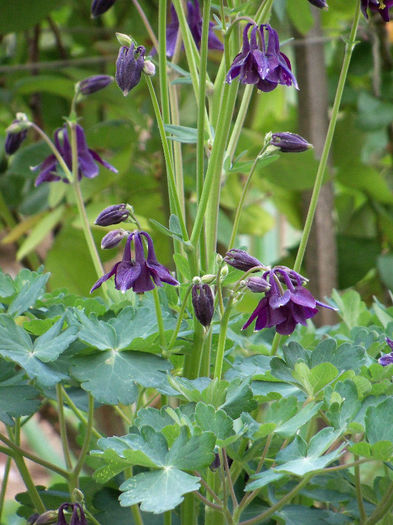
(380, 6)
(87, 158)
(140, 273)
(260, 61)
(286, 302)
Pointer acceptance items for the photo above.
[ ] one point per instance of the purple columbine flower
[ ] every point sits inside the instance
(87, 158)
(90, 85)
(290, 142)
(113, 215)
(387, 359)
(284, 309)
(195, 21)
(241, 260)
(319, 3)
(381, 6)
(203, 303)
(77, 518)
(260, 61)
(257, 285)
(129, 67)
(14, 138)
(139, 273)
(99, 7)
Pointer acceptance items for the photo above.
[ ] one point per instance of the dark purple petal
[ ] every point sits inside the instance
(104, 163)
(99, 7)
(277, 300)
(203, 303)
(87, 166)
(95, 83)
(129, 67)
(286, 327)
(303, 297)
(126, 275)
(389, 342)
(386, 359)
(172, 30)
(104, 278)
(261, 305)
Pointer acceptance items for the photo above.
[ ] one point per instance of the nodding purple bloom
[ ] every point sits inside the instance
(87, 158)
(257, 285)
(14, 139)
(387, 359)
(260, 61)
(99, 7)
(290, 142)
(319, 3)
(113, 239)
(203, 303)
(195, 21)
(284, 309)
(138, 273)
(90, 85)
(129, 67)
(380, 6)
(112, 215)
(77, 518)
(241, 260)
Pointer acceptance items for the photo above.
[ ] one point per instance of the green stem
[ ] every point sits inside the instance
(62, 425)
(177, 147)
(163, 69)
(4, 481)
(349, 46)
(79, 414)
(180, 317)
(173, 196)
(86, 443)
(383, 507)
(33, 492)
(219, 362)
(136, 514)
(168, 518)
(160, 322)
(359, 495)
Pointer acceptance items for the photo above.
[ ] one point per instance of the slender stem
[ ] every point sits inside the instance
(168, 518)
(163, 69)
(136, 514)
(86, 443)
(29, 483)
(383, 507)
(63, 427)
(208, 502)
(177, 147)
(180, 318)
(173, 196)
(277, 506)
(124, 417)
(229, 478)
(208, 488)
(78, 414)
(160, 322)
(4, 481)
(222, 338)
(54, 150)
(350, 44)
(146, 23)
(359, 495)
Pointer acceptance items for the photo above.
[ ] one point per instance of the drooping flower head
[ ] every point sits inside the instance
(16, 134)
(290, 142)
(260, 61)
(129, 67)
(203, 303)
(380, 6)
(241, 260)
(99, 7)
(114, 214)
(286, 302)
(387, 359)
(92, 84)
(194, 20)
(136, 271)
(77, 518)
(87, 158)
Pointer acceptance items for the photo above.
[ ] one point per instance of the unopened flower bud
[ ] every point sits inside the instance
(149, 68)
(92, 84)
(241, 260)
(78, 496)
(129, 66)
(203, 303)
(290, 142)
(112, 215)
(257, 284)
(16, 134)
(215, 464)
(50, 516)
(224, 270)
(208, 278)
(319, 3)
(123, 39)
(99, 7)
(113, 239)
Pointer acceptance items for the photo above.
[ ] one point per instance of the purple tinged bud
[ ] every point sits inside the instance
(215, 464)
(15, 136)
(203, 303)
(319, 3)
(99, 7)
(113, 239)
(94, 83)
(257, 285)
(241, 260)
(129, 67)
(112, 215)
(290, 142)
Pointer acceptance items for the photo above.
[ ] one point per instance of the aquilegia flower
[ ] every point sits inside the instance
(129, 67)
(260, 61)
(90, 85)
(203, 303)
(241, 260)
(290, 142)
(381, 6)
(138, 272)
(87, 158)
(114, 214)
(195, 21)
(77, 518)
(99, 7)
(284, 308)
(387, 359)
(14, 138)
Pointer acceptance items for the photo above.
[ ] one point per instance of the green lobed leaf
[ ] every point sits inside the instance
(17, 401)
(216, 421)
(376, 420)
(29, 294)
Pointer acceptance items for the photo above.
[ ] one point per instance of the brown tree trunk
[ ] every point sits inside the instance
(321, 254)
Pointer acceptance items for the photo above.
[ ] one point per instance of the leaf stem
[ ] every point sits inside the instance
(78, 414)
(33, 492)
(62, 425)
(383, 507)
(180, 317)
(160, 322)
(359, 495)
(4, 481)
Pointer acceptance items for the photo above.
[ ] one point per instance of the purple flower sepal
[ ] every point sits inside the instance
(290, 142)
(129, 67)
(382, 7)
(319, 3)
(139, 273)
(77, 518)
(260, 61)
(284, 309)
(112, 215)
(90, 85)
(14, 138)
(241, 260)
(99, 7)
(387, 359)
(87, 158)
